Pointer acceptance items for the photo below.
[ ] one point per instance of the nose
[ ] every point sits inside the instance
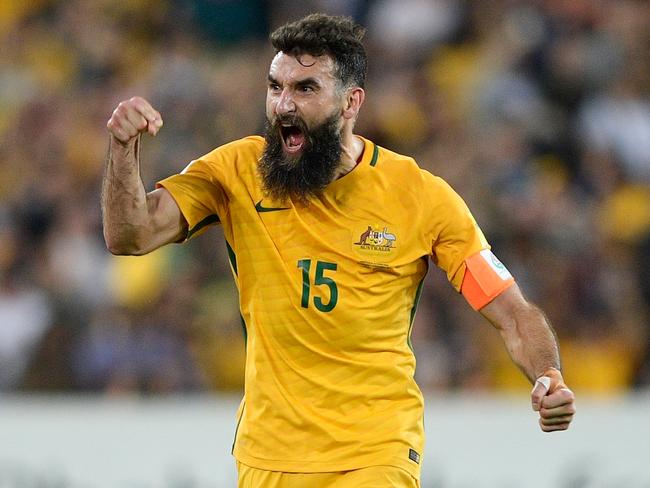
(285, 104)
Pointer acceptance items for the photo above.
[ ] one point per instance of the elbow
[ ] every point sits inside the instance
(120, 249)
(119, 246)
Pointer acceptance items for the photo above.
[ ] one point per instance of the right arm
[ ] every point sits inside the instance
(135, 222)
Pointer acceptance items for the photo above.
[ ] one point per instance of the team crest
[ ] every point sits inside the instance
(377, 239)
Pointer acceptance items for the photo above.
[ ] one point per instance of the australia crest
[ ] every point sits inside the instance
(377, 238)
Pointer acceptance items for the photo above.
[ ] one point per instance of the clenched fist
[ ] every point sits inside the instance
(132, 117)
(554, 401)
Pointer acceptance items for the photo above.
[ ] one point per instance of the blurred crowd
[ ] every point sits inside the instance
(537, 112)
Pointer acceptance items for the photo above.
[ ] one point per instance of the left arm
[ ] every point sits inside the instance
(533, 347)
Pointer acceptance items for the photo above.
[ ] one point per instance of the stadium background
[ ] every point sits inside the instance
(537, 112)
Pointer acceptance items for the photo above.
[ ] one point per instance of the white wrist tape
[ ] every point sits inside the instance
(545, 381)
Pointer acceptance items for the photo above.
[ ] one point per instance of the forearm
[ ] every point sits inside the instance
(125, 214)
(531, 341)
(526, 332)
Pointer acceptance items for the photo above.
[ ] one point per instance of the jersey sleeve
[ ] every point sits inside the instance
(461, 250)
(199, 193)
(455, 235)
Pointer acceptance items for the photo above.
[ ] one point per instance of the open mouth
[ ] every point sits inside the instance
(293, 138)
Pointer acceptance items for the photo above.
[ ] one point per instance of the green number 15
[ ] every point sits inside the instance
(319, 279)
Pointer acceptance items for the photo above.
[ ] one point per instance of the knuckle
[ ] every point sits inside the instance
(567, 393)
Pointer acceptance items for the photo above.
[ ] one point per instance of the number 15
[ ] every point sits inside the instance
(319, 279)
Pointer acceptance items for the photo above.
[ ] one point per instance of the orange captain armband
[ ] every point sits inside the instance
(485, 278)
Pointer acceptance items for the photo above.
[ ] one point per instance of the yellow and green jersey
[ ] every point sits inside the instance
(328, 293)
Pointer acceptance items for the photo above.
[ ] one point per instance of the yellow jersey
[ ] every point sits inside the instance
(328, 293)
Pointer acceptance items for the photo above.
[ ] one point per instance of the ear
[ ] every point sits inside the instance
(353, 101)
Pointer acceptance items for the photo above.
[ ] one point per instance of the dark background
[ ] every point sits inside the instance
(537, 113)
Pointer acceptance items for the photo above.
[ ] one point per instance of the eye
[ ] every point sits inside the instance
(274, 87)
(307, 89)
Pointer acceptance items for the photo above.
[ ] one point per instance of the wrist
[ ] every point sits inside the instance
(551, 378)
(128, 146)
(551, 372)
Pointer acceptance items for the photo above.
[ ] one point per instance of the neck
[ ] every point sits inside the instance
(352, 148)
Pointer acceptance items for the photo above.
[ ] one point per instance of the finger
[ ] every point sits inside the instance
(553, 428)
(120, 135)
(568, 409)
(145, 108)
(153, 118)
(562, 419)
(135, 119)
(561, 396)
(154, 126)
(539, 390)
(117, 131)
(130, 129)
(128, 119)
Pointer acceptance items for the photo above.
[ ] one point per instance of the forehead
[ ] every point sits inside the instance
(287, 68)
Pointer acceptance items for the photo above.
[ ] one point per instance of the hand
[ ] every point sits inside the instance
(554, 401)
(133, 117)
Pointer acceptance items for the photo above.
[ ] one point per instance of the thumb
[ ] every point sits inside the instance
(153, 126)
(540, 389)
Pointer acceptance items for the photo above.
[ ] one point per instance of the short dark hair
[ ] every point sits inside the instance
(319, 34)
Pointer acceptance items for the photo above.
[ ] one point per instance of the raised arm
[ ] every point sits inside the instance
(135, 222)
(532, 345)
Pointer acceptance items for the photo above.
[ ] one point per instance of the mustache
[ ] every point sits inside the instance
(290, 120)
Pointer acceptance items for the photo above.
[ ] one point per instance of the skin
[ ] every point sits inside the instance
(307, 88)
(532, 346)
(137, 222)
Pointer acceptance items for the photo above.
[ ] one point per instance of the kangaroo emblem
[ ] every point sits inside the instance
(364, 237)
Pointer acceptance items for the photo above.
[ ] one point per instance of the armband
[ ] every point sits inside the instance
(485, 278)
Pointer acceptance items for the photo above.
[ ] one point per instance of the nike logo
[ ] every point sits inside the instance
(260, 208)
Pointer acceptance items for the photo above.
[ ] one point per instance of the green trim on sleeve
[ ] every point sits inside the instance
(232, 257)
(210, 219)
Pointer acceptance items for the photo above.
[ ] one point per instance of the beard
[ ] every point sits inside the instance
(306, 175)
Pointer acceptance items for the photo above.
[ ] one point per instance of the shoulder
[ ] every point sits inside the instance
(386, 160)
(226, 162)
(389, 161)
(405, 169)
(229, 159)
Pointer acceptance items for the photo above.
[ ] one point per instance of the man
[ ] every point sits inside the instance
(329, 237)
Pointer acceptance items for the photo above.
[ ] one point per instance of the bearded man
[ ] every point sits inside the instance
(330, 237)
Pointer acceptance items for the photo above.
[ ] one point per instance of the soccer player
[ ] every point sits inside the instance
(330, 237)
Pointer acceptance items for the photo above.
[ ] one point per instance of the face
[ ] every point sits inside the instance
(304, 89)
(304, 110)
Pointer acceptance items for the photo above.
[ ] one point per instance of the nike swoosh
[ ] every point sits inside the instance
(260, 208)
